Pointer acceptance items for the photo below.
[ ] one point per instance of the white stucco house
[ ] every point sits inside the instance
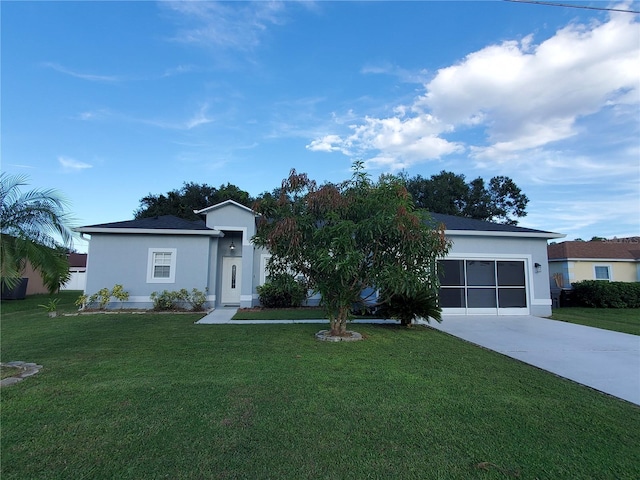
(491, 268)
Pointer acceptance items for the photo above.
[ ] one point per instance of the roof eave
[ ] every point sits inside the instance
(147, 231)
(593, 259)
(223, 204)
(490, 233)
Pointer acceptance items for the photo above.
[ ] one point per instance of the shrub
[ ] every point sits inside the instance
(103, 297)
(174, 300)
(165, 300)
(282, 291)
(196, 299)
(602, 294)
(407, 308)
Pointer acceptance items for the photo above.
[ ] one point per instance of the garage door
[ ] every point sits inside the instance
(496, 287)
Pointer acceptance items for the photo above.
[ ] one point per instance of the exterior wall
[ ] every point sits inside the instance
(123, 259)
(35, 284)
(239, 225)
(620, 271)
(530, 250)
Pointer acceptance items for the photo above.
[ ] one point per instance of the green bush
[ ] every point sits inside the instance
(176, 300)
(103, 297)
(408, 308)
(602, 294)
(282, 291)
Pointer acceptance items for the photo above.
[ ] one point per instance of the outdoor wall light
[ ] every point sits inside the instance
(538, 267)
(232, 247)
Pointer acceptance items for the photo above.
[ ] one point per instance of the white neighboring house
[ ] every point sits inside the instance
(491, 268)
(78, 270)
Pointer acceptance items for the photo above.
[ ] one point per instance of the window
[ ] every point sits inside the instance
(602, 272)
(161, 265)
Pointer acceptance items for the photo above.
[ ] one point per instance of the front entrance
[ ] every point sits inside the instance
(231, 280)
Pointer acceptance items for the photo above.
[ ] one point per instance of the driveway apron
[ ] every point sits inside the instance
(601, 359)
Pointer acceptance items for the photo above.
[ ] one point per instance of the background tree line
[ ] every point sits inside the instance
(500, 200)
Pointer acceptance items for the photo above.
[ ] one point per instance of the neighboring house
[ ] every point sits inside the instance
(78, 271)
(610, 261)
(491, 269)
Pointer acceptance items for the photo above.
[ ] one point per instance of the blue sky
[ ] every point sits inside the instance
(109, 101)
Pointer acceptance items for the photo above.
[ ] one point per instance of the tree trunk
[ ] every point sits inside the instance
(339, 324)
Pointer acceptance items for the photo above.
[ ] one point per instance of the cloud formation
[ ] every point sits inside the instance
(84, 76)
(69, 164)
(237, 25)
(519, 95)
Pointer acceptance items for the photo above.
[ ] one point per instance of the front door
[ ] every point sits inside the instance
(231, 277)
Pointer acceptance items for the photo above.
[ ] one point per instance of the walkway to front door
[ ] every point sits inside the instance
(601, 359)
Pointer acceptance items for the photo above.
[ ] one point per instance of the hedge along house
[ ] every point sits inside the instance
(491, 268)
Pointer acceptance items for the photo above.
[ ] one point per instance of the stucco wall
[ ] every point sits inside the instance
(620, 271)
(123, 259)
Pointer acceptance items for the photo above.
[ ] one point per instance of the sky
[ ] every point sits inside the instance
(107, 102)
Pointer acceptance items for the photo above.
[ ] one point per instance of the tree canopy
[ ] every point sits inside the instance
(192, 196)
(501, 201)
(35, 229)
(343, 238)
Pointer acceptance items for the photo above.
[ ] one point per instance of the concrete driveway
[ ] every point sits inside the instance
(601, 359)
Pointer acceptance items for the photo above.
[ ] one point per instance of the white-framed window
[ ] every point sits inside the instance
(161, 265)
(602, 272)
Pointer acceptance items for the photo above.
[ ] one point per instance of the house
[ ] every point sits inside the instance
(609, 260)
(78, 271)
(491, 269)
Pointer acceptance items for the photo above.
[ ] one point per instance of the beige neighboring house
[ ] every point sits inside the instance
(615, 260)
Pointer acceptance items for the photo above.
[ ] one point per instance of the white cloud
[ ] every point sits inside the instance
(521, 97)
(84, 76)
(531, 95)
(237, 25)
(69, 164)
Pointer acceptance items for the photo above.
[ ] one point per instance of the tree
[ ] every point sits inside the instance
(343, 238)
(192, 196)
(33, 224)
(451, 194)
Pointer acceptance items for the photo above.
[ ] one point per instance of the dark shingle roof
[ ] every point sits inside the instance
(163, 222)
(452, 222)
(629, 251)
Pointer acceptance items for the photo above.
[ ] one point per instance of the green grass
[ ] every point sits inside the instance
(625, 320)
(304, 313)
(156, 396)
(281, 314)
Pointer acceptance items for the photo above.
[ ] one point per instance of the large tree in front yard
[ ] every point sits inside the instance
(34, 229)
(344, 238)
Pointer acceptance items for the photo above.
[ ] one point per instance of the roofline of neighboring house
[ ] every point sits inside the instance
(593, 259)
(493, 233)
(222, 204)
(152, 231)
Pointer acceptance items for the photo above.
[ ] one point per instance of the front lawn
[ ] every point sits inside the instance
(155, 396)
(625, 320)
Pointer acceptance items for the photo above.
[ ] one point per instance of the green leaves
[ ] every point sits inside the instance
(344, 238)
(33, 225)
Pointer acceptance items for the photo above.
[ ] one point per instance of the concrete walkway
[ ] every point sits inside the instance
(601, 359)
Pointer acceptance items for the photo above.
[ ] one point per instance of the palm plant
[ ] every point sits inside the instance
(35, 228)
